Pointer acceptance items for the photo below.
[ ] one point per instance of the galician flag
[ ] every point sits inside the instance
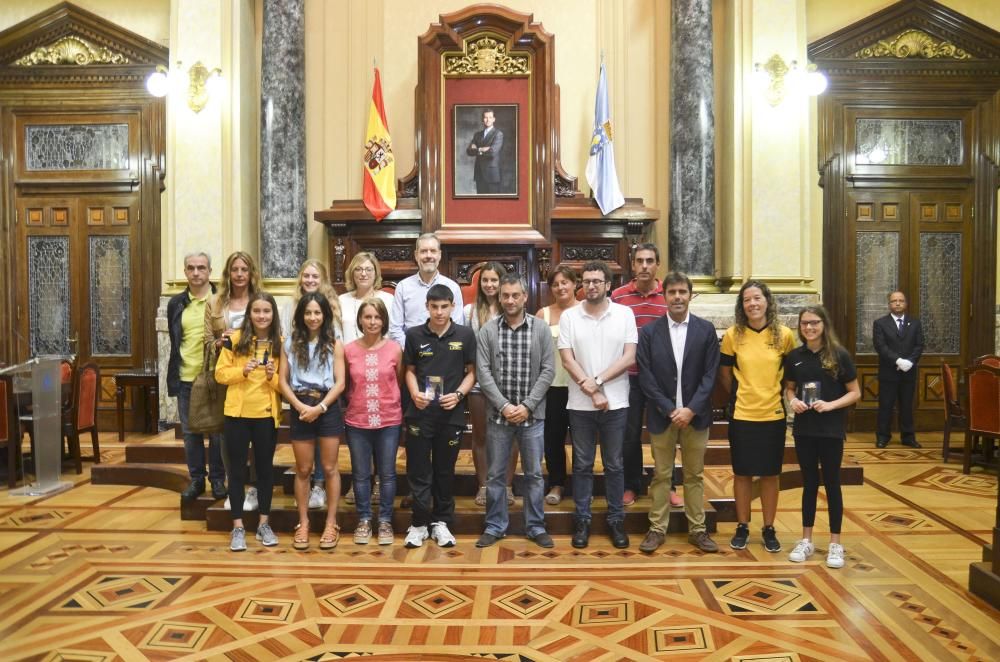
(380, 166)
(601, 173)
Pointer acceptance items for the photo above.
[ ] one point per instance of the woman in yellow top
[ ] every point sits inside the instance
(752, 352)
(253, 410)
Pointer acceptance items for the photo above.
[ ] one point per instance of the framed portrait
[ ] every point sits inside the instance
(485, 139)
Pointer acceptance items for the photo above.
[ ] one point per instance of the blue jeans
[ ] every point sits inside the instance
(383, 443)
(194, 444)
(531, 441)
(584, 427)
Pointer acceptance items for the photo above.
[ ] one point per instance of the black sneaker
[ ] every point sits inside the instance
(771, 543)
(741, 536)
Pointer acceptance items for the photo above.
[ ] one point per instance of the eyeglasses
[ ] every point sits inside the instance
(364, 270)
(809, 323)
(593, 283)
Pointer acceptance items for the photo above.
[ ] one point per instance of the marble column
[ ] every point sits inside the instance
(283, 217)
(692, 139)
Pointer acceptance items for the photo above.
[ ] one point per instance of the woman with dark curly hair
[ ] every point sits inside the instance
(752, 353)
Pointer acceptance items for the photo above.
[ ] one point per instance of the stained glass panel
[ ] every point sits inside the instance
(941, 291)
(48, 295)
(877, 265)
(110, 296)
(76, 146)
(908, 142)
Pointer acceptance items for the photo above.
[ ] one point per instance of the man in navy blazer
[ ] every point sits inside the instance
(899, 343)
(678, 358)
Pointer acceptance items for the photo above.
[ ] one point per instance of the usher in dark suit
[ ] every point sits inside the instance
(487, 163)
(894, 384)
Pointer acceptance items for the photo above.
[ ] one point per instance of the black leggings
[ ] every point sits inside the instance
(556, 425)
(240, 433)
(814, 452)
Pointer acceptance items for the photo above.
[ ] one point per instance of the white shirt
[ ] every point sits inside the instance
(409, 306)
(896, 320)
(349, 305)
(678, 337)
(597, 342)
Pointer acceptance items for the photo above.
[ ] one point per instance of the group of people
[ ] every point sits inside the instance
(595, 367)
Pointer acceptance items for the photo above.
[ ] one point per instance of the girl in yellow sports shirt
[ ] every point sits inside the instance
(252, 409)
(752, 353)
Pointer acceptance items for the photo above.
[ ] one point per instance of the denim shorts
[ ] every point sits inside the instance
(328, 424)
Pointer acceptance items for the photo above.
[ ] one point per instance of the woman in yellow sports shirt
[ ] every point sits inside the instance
(752, 353)
(253, 410)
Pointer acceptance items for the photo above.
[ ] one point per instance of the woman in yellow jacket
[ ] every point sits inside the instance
(253, 410)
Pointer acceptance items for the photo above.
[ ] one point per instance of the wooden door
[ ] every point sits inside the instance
(914, 241)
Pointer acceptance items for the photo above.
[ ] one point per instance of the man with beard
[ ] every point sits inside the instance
(409, 305)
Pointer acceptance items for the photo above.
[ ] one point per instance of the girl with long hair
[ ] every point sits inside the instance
(374, 416)
(820, 382)
(225, 312)
(477, 314)
(562, 287)
(753, 350)
(250, 369)
(312, 380)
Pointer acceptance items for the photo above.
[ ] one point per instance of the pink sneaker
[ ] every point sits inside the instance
(629, 498)
(676, 500)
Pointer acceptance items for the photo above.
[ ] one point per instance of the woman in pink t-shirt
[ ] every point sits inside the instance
(373, 417)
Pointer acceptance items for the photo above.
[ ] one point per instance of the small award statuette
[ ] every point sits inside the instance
(810, 393)
(433, 387)
(262, 351)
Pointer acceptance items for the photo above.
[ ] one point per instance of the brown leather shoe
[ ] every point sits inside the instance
(703, 542)
(652, 541)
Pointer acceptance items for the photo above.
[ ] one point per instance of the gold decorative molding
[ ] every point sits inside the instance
(71, 50)
(486, 56)
(914, 43)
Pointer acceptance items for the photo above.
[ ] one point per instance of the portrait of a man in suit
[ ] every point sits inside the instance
(487, 166)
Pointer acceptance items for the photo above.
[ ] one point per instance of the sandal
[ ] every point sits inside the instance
(554, 496)
(301, 539)
(481, 496)
(330, 537)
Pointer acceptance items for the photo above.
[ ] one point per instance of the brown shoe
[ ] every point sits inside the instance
(703, 542)
(652, 541)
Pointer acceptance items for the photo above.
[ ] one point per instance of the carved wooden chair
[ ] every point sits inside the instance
(987, 359)
(953, 413)
(984, 412)
(83, 413)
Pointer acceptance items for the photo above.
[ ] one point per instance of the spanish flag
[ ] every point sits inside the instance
(380, 166)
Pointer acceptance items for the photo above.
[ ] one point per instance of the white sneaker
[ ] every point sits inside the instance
(441, 535)
(250, 500)
(415, 536)
(227, 505)
(835, 556)
(803, 550)
(317, 497)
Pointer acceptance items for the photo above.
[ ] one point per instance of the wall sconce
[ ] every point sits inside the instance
(201, 83)
(775, 78)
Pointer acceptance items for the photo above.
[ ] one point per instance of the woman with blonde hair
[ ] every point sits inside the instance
(224, 314)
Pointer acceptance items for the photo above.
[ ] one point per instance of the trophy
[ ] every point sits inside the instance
(810, 393)
(262, 351)
(433, 387)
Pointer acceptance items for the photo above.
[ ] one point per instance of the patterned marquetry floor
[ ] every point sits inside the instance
(112, 573)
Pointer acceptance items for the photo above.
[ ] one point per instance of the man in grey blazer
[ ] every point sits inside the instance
(678, 358)
(515, 366)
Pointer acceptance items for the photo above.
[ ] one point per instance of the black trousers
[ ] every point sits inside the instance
(241, 433)
(556, 426)
(431, 451)
(828, 453)
(896, 393)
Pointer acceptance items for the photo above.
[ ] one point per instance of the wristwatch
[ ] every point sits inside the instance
(460, 395)
(599, 381)
(323, 407)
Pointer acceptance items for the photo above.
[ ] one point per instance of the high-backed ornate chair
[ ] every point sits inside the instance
(984, 411)
(83, 413)
(987, 359)
(10, 431)
(953, 413)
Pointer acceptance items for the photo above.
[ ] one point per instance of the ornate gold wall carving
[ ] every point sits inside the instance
(486, 56)
(914, 43)
(71, 50)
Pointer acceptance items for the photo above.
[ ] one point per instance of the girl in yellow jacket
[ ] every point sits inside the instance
(253, 410)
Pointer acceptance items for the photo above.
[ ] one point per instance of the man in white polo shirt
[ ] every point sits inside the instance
(597, 342)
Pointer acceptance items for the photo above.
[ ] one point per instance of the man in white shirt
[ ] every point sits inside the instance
(597, 342)
(678, 358)
(409, 305)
